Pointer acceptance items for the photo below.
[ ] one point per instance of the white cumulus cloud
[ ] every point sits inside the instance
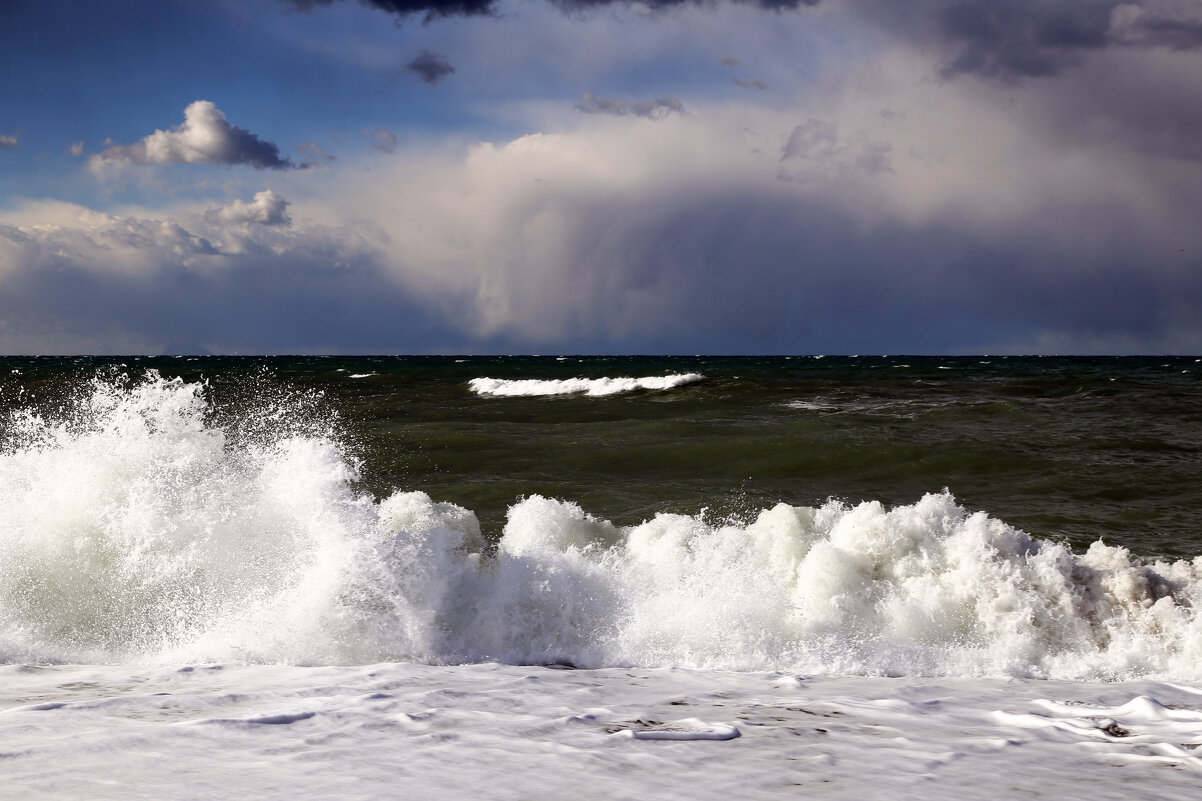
(204, 137)
(267, 208)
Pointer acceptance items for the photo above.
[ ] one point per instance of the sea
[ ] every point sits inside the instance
(509, 577)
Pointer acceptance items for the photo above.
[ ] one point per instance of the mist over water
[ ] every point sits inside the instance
(141, 520)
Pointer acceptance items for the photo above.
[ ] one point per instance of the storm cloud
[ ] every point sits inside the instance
(430, 67)
(762, 231)
(435, 9)
(1024, 39)
(204, 137)
(432, 9)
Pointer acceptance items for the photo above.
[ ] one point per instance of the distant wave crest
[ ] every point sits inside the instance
(532, 387)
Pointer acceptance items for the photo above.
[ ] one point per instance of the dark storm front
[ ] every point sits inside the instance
(1064, 448)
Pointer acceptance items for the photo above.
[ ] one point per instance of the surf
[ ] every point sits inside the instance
(139, 524)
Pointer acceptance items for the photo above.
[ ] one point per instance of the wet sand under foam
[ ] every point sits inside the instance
(510, 732)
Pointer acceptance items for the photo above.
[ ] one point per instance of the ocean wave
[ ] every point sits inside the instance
(533, 387)
(135, 528)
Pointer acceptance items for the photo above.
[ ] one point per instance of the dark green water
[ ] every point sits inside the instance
(1065, 448)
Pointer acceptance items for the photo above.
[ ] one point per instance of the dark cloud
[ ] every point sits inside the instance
(650, 109)
(769, 5)
(1096, 75)
(729, 61)
(432, 9)
(430, 67)
(435, 9)
(1019, 39)
(204, 137)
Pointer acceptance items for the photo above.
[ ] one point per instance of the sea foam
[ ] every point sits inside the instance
(136, 528)
(527, 387)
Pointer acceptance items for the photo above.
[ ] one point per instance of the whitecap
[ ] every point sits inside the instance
(595, 387)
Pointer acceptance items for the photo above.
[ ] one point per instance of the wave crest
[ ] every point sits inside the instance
(595, 387)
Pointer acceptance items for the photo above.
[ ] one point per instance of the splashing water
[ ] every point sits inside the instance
(133, 527)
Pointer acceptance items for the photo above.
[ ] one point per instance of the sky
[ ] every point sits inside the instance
(590, 176)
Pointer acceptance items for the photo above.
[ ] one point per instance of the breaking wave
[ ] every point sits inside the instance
(528, 387)
(134, 527)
